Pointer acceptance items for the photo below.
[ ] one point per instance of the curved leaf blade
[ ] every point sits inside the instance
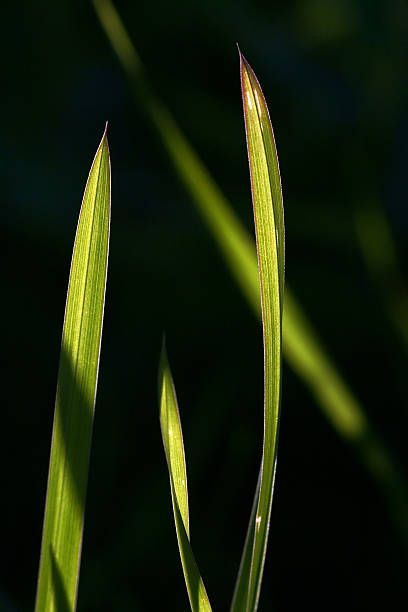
(76, 392)
(269, 229)
(174, 449)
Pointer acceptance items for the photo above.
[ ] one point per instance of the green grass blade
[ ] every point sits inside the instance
(76, 389)
(269, 228)
(174, 449)
(301, 345)
(265, 179)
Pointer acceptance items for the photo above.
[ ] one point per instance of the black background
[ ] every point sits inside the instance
(334, 75)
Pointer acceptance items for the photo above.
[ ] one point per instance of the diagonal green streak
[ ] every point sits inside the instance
(76, 389)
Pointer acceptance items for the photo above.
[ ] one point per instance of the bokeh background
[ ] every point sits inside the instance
(334, 75)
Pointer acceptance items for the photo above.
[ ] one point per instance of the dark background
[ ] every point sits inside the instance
(334, 75)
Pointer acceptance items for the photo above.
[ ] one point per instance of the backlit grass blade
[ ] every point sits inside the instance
(269, 229)
(174, 449)
(76, 389)
(301, 345)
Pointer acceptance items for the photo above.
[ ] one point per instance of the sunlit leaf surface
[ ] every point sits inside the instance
(174, 449)
(269, 229)
(75, 401)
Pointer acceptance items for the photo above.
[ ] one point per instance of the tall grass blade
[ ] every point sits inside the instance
(76, 389)
(174, 449)
(269, 229)
(301, 345)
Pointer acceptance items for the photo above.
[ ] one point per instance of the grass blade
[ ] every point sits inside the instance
(301, 345)
(174, 449)
(76, 389)
(269, 228)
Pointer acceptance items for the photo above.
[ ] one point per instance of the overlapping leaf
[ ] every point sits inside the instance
(75, 401)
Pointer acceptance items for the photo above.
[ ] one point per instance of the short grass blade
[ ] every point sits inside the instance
(174, 449)
(301, 346)
(76, 389)
(269, 229)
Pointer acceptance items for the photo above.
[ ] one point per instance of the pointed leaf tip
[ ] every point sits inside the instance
(244, 62)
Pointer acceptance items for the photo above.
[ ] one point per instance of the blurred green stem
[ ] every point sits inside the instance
(379, 252)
